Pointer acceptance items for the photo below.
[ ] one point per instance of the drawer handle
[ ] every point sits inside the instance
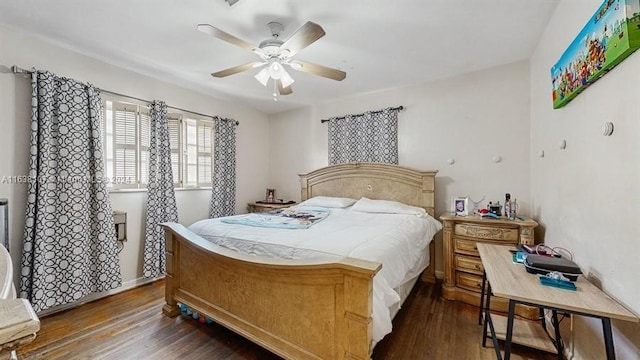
(478, 267)
(479, 286)
(475, 247)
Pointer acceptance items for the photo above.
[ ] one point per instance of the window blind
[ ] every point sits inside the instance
(145, 141)
(125, 144)
(175, 137)
(127, 135)
(205, 149)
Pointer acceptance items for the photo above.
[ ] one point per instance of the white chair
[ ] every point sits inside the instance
(18, 322)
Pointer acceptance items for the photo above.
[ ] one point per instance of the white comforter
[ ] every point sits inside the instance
(395, 240)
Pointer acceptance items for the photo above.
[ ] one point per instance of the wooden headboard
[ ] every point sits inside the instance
(374, 181)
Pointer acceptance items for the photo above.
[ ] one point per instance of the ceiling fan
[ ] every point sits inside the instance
(275, 53)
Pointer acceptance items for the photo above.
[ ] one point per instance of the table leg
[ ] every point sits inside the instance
(556, 326)
(484, 282)
(608, 339)
(488, 325)
(507, 339)
(486, 309)
(494, 339)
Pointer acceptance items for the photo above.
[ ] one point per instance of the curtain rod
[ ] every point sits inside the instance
(373, 112)
(17, 70)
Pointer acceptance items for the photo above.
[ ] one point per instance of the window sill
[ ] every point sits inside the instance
(194, 188)
(124, 191)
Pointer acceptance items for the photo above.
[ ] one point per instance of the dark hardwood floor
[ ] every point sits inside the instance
(130, 325)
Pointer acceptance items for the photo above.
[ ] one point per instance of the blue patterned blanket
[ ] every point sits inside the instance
(281, 219)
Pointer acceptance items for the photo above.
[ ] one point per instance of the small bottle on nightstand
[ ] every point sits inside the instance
(507, 204)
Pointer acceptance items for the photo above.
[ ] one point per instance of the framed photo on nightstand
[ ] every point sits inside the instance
(461, 205)
(270, 196)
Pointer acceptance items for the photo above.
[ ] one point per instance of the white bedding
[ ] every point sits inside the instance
(395, 240)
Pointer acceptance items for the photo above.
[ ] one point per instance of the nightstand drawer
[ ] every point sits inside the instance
(487, 232)
(262, 207)
(468, 263)
(466, 247)
(469, 281)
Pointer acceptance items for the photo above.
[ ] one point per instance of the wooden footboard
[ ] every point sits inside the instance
(297, 309)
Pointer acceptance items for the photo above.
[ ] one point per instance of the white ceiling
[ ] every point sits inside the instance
(381, 44)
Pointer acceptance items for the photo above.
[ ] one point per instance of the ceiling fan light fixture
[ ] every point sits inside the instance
(295, 65)
(276, 70)
(263, 77)
(286, 79)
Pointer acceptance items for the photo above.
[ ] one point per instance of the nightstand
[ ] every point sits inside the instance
(462, 266)
(262, 207)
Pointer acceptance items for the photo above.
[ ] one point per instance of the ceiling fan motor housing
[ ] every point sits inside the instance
(271, 46)
(275, 28)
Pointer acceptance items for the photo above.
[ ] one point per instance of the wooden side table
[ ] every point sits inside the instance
(512, 282)
(262, 207)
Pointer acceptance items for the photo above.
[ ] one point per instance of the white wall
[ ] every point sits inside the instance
(586, 196)
(17, 48)
(470, 118)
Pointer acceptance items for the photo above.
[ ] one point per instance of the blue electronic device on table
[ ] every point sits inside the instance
(556, 282)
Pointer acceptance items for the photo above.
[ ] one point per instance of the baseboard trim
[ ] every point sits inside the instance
(127, 285)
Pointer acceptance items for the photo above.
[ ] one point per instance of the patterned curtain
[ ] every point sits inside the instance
(368, 137)
(223, 197)
(70, 247)
(161, 197)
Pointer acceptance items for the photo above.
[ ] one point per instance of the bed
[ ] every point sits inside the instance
(319, 308)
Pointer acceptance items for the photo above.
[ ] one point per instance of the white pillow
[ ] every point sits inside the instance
(328, 202)
(386, 207)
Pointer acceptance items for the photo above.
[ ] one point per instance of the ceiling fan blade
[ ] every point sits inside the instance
(283, 90)
(306, 35)
(215, 32)
(237, 69)
(318, 70)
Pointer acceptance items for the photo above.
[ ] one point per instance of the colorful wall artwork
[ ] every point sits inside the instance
(612, 34)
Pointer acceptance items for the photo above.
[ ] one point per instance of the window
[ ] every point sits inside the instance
(197, 152)
(205, 152)
(126, 128)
